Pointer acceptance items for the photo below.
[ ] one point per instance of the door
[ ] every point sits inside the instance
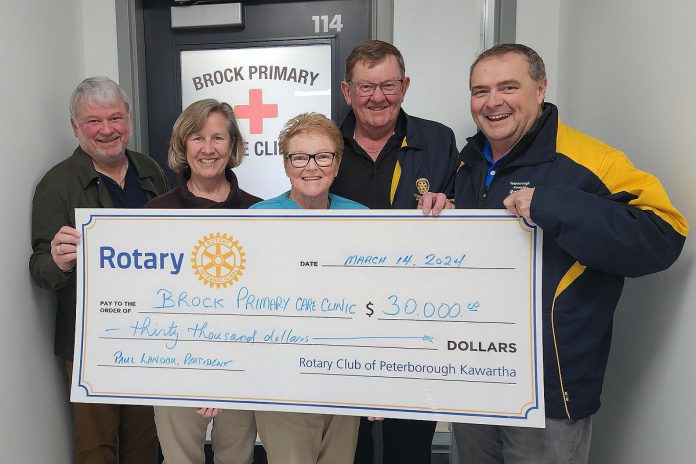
(246, 63)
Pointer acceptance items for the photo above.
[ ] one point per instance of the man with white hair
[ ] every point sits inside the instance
(101, 173)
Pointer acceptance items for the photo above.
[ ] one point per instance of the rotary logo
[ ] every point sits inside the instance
(218, 260)
(423, 185)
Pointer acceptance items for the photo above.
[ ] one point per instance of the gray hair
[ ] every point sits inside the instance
(371, 53)
(97, 89)
(537, 70)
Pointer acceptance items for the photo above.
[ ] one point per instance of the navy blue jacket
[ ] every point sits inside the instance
(426, 162)
(603, 220)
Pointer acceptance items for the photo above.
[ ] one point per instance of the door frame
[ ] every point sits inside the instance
(131, 57)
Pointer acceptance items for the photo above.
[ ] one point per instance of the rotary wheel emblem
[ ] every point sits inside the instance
(218, 260)
(423, 185)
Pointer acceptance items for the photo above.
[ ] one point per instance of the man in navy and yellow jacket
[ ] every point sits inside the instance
(603, 220)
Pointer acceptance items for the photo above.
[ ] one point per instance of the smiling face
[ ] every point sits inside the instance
(505, 100)
(102, 129)
(377, 111)
(310, 184)
(208, 150)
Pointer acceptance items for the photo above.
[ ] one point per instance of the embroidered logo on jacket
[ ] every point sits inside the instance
(423, 185)
(515, 186)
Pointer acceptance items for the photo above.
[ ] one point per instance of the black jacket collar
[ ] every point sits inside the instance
(538, 145)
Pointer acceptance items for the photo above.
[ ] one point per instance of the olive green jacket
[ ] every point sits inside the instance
(74, 183)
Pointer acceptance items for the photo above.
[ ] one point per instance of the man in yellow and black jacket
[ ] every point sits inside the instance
(602, 219)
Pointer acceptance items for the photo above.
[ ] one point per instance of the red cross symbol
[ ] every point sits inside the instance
(256, 111)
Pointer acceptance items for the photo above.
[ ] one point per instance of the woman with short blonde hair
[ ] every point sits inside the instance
(312, 147)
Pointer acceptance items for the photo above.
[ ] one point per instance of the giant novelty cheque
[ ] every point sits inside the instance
(367, 313)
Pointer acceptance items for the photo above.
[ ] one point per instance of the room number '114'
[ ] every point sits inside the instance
(322, 24)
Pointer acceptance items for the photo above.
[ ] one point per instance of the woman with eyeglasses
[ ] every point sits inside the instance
(312, 146)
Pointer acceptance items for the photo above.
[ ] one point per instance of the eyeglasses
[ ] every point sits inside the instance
(366, 89)
(300, 160)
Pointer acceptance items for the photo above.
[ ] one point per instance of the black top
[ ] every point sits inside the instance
(360, 178)
(131, 196)
(181, 196)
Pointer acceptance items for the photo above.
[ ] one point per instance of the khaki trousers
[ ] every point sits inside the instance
(182, 433)
(297, 438)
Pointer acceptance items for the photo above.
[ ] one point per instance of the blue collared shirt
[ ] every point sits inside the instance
(491, 166)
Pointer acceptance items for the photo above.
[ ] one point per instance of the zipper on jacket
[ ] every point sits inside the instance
(482, 185)
(568, 278)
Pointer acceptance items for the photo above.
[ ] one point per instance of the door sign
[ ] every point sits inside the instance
(266, 86)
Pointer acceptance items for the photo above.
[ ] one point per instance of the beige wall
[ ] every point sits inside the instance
(41, 59)
(100, 38)
(425, 36)
(537, 27)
